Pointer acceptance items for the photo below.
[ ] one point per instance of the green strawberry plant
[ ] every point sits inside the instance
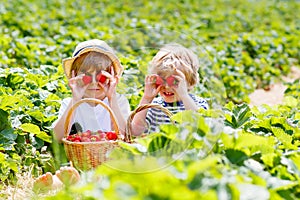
(222, 153)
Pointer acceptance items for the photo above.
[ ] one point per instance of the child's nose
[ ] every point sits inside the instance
(94, 77)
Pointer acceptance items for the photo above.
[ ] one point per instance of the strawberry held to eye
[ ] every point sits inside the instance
(101, 78)
(159, 81)
(171, 81)
(86, 79)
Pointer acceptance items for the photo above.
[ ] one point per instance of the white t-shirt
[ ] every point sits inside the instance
(94, 117)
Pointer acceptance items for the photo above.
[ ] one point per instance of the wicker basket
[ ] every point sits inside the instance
(88, 155)
(128, 132)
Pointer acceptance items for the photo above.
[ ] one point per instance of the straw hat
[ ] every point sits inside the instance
(96, 46)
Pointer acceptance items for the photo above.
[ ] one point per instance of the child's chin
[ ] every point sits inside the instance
(169, 100)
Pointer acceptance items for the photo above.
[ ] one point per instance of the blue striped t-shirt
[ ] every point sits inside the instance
(156, 117)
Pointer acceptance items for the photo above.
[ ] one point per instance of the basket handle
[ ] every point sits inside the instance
(128, 131)
(89, 100)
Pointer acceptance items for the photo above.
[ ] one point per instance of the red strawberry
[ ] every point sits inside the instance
(101, 78)
(171, 81)
(85, 139)
(111, 136)
(74, 138)
(86, 79)
(101, 134)
(159, 81)
(87, 133)
(69, 137)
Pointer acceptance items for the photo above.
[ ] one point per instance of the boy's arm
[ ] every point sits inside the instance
(189, 103)
(114, 105)
(59, 126)
(138, 123)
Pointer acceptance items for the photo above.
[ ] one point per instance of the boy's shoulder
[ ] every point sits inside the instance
(200, 101)
(197, 98)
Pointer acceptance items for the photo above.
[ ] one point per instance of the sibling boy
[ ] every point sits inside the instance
(173, 72)
(93, 71)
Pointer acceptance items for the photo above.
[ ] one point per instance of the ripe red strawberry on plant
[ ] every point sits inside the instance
(111, 136)
(86, 79)
(171, 81)
(101, 78)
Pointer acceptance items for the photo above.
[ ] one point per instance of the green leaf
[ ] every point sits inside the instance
(7, 139)
(250, 140)
(291, 101)
(185, 116)
(200, 166)
(42, 135)
(158, 143)
(37, 114)
(134, 148)
(284, 138)
(269, 158)
(236, 156)
(238, 116)
(4, 122)
(30, 128)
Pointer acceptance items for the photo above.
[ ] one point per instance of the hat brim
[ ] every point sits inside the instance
(68, 62)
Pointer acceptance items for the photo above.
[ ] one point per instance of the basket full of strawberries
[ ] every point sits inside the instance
(89, 149)
(89, 136)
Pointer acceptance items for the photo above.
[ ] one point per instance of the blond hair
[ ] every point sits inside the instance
(91, 61)
(173, 56)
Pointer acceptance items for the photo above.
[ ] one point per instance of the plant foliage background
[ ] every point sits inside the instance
(242, 45)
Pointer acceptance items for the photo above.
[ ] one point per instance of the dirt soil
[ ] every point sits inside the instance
(275, 95)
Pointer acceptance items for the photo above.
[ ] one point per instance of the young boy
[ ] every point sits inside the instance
(93, 72)
(173, 72)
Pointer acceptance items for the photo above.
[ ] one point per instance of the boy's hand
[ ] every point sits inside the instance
(77, 87)
(111, 83)
(181, 89)
(151, 91)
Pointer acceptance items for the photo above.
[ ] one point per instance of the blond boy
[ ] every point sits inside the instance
(173, 72)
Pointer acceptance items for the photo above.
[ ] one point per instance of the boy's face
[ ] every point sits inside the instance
(94, 90)
(167, 86)
(168, 94)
